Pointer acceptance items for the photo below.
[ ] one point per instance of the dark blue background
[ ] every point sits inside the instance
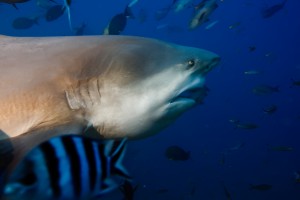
(206, 130)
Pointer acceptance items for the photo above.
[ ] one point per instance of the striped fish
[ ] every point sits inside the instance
(67, 167)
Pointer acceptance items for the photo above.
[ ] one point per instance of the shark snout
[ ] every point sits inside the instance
(214, 61)
(210, 62)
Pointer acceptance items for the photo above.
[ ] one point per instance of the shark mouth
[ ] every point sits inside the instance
(196, 94)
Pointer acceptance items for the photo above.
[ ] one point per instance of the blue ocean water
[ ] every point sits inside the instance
(205, 131)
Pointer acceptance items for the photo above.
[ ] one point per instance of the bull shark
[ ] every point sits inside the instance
(123, 86)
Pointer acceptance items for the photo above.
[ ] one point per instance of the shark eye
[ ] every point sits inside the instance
(191, 63)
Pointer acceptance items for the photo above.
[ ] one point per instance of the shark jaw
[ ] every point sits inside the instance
(149, 106)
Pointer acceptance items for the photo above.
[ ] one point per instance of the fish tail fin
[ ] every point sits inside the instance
(69, 18)
(6, 157)
(67, 5)
(117, 157)
(128, 12)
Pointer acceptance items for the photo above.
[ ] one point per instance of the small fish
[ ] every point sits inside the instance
(269, 54)
(281, 148)
(45, 4)
(177, 153)
(295, 83)
(24, 22)
(179, 5)
(54, 12)
(261, 187)
(193, 190)
(234, 121)
(265, 89)
(13, 2)
(67, 167)
(202, 11)
(234, 25)
(237, 146)
(252, 72)
(132, 3)
(297, 176)
(212, 24)
(270, 11)
(128, 190)
(247, 126)
(118, 23)
(226, 192)
(162, 191)
(251, 48)
(270, 109)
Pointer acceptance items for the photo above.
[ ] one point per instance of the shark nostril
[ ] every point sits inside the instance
(211, 64)
(215, 61)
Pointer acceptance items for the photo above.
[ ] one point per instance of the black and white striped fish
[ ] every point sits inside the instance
(67, 167)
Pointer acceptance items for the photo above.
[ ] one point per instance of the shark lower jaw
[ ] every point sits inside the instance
(191, 96)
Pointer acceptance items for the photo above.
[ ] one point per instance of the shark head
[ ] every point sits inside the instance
(147, 84)
(123, 86)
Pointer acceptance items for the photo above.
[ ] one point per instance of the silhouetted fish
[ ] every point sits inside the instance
(177, 153)
(270, 109)
(202, 11)
(261, 187)
(247, 126)
(226, 192)
(118, 23)
(295, 83)
(179, 5)
(13, 2)
(24, 22)
(281, 148)
(54, 12)
(271, 10)
(265, 89)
